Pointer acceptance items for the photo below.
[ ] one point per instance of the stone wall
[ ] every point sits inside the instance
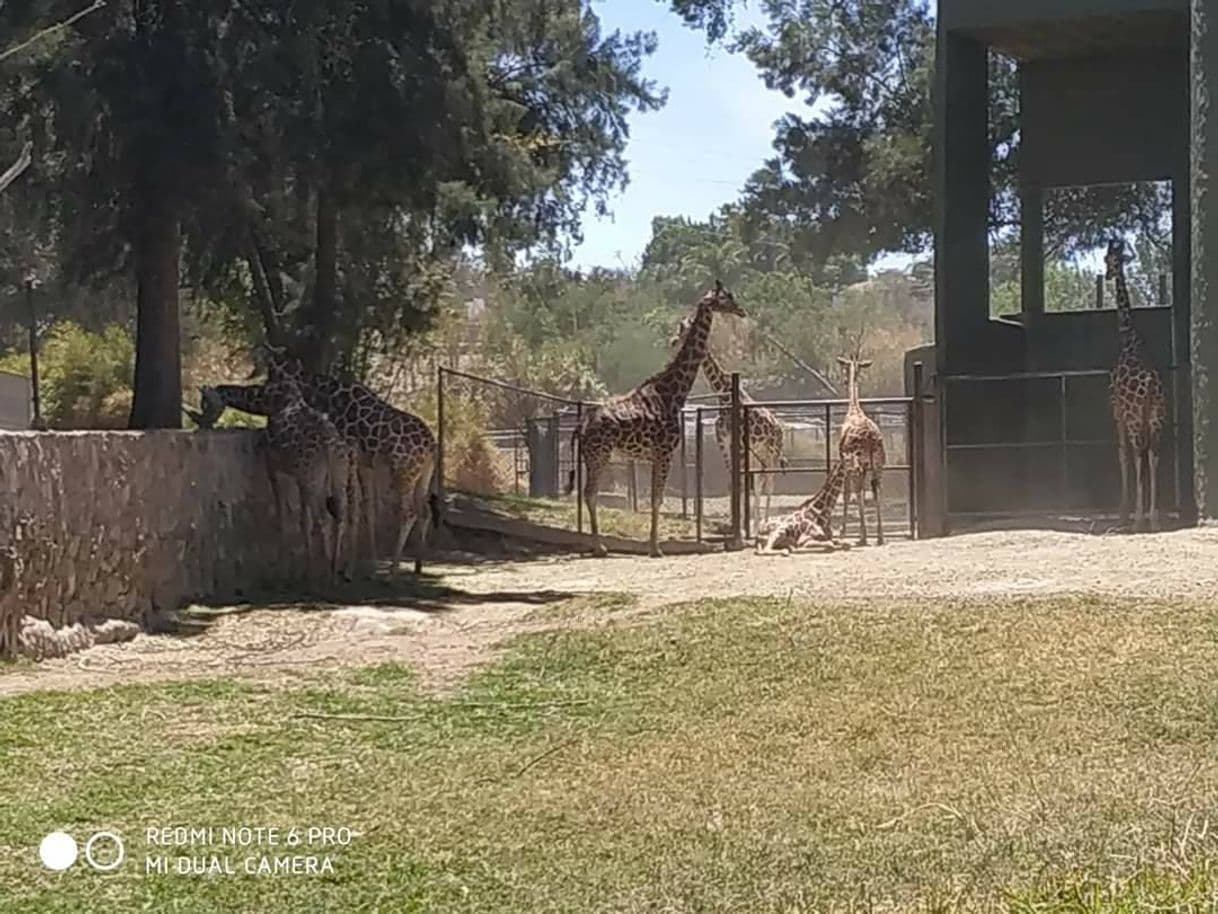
(99, 528)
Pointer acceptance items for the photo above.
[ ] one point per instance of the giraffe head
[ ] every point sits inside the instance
(721, 300)
(852, 367)
(1115, 259)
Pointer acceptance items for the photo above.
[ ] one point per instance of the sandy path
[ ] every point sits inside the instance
(482, 604)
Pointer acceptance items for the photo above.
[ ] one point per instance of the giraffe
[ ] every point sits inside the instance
(764, 432)
(861, 448)
(812, 521)
(1136, 392)
(645, 424)
(385, 437)
(302, 443)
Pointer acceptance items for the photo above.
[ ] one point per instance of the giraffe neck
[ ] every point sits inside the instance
(719, 380)
(677, 377)
(823, 501)
(255, 399)
(1131, 341)
(852, 386)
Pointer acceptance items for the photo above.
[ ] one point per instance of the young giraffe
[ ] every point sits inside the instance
(1139, 404)
(861, 449)
(384, 436)
(812, 521)
(764, 432)
(302, 443)
(645, 424)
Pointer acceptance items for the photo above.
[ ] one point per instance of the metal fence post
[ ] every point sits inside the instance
(748, 482)
(35, 391)
(576, 455)
(915, 453)
(734, 454)
(439, 476)
(698, 474)
(684, 471)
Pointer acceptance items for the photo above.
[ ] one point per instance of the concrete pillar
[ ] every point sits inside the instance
(1204, 298)
(1032, 250)
(962, 176)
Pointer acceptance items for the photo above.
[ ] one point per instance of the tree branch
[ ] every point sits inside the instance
(17, 168)
(51, 29)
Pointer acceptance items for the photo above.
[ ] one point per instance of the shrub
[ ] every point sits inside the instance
(84, 377)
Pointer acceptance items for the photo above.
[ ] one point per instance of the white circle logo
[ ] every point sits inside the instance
(119, 855)
(57, 851)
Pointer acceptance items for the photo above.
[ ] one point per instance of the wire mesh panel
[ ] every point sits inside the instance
(810, 431)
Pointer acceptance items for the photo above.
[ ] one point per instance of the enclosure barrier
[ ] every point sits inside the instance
(711, 506)
(1081, 424)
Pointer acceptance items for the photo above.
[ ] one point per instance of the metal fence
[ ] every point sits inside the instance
(704, 499)
(1041, 442)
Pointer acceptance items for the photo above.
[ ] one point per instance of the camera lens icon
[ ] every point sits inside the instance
(104, 851)
(98, 858)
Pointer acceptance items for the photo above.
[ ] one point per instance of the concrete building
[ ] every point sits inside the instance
(15, 400)
(1111, 91)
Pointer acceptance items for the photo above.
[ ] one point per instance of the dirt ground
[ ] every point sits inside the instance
(467, 606)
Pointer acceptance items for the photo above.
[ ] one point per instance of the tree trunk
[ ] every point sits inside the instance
(158, 355)
(322, 313)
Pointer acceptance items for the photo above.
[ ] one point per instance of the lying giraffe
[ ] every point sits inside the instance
(764, 432)
(385, 437)
(645, 424)
(303, 444)
(811, 522)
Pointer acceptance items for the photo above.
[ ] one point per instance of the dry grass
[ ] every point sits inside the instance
(761, 756)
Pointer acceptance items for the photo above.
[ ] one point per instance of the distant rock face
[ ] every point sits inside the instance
(101, 531)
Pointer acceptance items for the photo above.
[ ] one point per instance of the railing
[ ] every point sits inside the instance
(1061, 443)
(808, 421)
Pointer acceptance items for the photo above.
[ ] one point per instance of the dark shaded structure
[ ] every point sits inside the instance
(1112, 91)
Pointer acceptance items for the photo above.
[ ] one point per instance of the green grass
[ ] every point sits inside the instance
(759, 756)
(613, 521)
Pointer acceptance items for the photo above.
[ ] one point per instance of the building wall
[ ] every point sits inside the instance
(14, 401)
(124, 525)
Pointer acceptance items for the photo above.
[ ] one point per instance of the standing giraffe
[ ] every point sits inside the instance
(812, 521)
(1139, 404)
(861, 449)
(763, 432)
(302, 443)
(645, 424)
(385, 437)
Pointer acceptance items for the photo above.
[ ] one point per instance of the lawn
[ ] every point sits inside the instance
(613, 521)
(742, 756)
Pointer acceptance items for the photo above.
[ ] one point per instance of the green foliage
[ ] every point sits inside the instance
(84, 377)
(852, 175)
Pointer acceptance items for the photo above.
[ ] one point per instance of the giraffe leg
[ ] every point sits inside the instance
(593, 465)
(768, 484)
(1152, 458)
(846, 504)
(280, 516)
(306, 527)
(368, 486)
(1123, 457)
(422, 512)
(659, 479)
(862, 516)
(1138, 517)
(879, 514)
(403, 500)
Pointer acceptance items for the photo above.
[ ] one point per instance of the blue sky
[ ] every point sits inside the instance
(694, 154)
